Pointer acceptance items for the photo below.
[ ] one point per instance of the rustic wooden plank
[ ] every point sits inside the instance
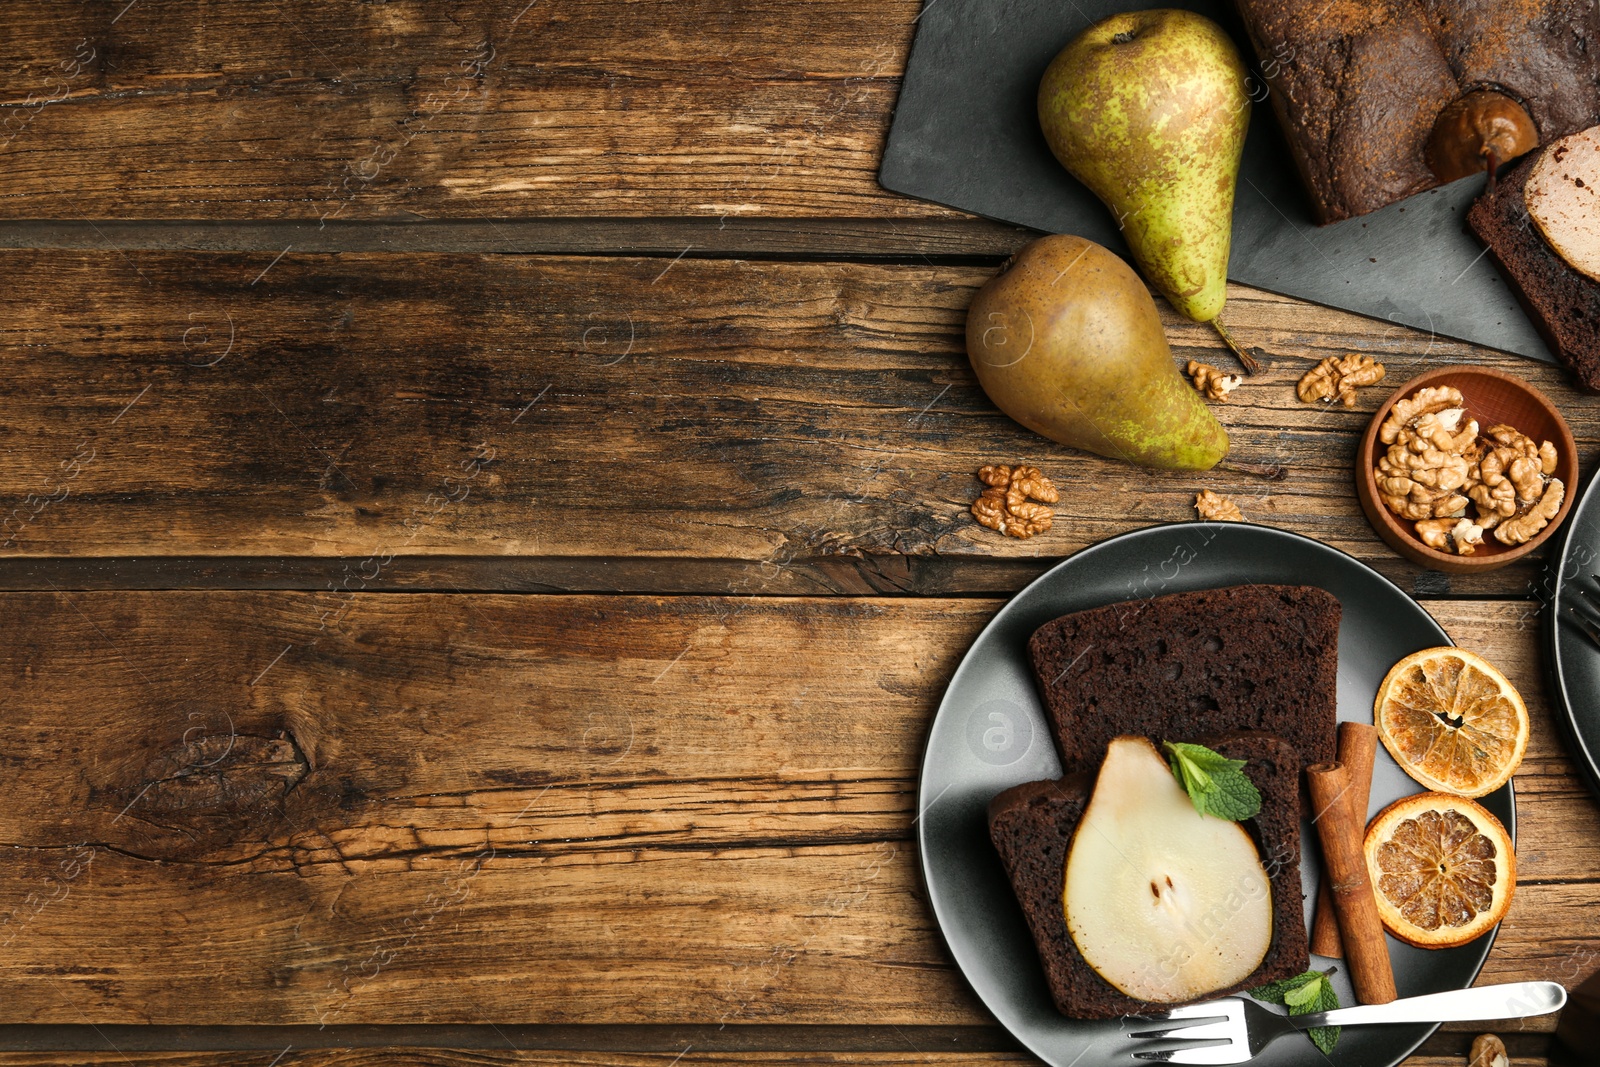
(797, 933)
(491, 787)
(451, 1058)
(775, 416)
(792, 238)
(439, 809)
(788, 759)
(770, 1045)
(437, 1057)
(429, 1057)
(758, 1039)
(631, 722)
(301, 110)
(854, 575)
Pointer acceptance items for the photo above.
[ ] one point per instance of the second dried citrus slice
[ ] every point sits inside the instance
(1442, 869)
(1452, 721)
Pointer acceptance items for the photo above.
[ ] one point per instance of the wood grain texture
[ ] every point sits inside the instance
(812, 426)
(627, 1046)
(672, 1038)
(853, 575)
(432, 1057)
(862, 239)
(429, 1057)
(522, 793)
(445, 809)
(305, 110)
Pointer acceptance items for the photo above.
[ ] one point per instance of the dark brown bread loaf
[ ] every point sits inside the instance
(1563, 304)
(1358, 84)
(1031, 826)
(1248, 657)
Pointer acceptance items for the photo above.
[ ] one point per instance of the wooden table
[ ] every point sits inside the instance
(487, 534)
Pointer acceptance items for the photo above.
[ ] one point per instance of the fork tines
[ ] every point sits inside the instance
(1583, 610)
(1220, 1021)
(1584, 624)
(1188, 1016)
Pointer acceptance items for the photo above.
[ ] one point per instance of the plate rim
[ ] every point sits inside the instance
(934, 894)
(1585, 758)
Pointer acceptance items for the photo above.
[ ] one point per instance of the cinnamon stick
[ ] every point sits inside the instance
(1341, 830)
(1358, 748)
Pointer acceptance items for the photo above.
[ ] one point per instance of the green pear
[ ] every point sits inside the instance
(1149, 110)
(1067, 341)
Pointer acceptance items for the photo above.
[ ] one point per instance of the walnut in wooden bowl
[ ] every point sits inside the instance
(1466, 469)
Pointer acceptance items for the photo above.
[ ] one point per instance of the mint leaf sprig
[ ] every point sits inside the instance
(1305, 994)
(1215, 784)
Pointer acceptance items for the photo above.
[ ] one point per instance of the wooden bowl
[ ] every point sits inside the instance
(1491, 397)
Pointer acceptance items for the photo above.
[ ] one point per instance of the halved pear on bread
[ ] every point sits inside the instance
(1562, 194)
(1165, 903)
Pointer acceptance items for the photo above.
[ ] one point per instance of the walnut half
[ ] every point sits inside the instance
(1461, 536)
(1215, 508)
(1338, 377)
(1425, 472)
(1488, 1051)
(1014, 503)
(1212, 383)
(1424, 401)
(1521, 528)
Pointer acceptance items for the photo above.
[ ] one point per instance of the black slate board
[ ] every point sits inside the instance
(966, 135)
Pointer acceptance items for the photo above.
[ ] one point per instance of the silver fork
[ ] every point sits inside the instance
(1245, 1028)
(1584, 618)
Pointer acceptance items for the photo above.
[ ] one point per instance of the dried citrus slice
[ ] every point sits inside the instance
(1442, 868)
(1452, 721)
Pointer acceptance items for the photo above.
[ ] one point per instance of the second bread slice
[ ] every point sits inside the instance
(1032, 825)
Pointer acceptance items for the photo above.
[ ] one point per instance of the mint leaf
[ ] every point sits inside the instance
(1278, 992)
(1274, 992)
(1202, 757)
(1233, 796)
(1215, 783)
(1194, 780)
(1324, 1037)
(1300, 996)
(1305, 994)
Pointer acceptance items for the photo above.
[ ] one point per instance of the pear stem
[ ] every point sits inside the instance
(1270, 471)
(1251, 364)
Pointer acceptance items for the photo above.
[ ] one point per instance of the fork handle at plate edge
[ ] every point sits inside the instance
(1511, 1000)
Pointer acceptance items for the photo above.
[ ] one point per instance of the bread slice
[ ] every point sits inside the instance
(1248, 657)
(1563, 304)
(1358, 87)
(1032, 825)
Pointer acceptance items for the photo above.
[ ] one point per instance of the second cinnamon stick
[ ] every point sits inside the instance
(1341, 829)
(1358, 748)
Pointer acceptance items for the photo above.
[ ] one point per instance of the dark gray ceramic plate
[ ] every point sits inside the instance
(1573, 658)
(990, 734)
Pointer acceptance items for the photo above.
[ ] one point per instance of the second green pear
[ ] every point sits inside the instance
(1066, 340)
(1149, 110)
